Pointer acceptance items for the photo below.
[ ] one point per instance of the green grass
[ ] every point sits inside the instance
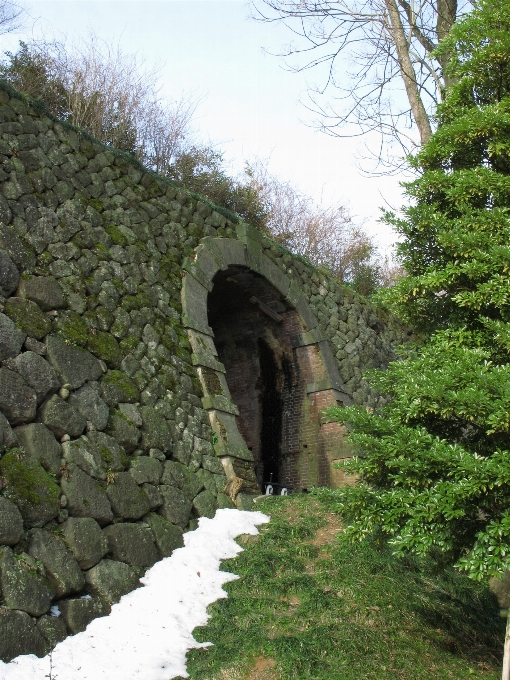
(310, 606)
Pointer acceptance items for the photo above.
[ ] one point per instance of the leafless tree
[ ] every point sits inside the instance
(11, 16)
(375, 57)
(109, 93)
(326, 235)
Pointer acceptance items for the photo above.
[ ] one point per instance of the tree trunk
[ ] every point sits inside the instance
(406, 69)
(446, 15)
(506, 655)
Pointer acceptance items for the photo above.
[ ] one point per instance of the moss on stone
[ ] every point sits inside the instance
(116, 235)
(122, 384)
(131, 302)
(28, 316)
(105, 346)
(73, 328)
(128, 345)
(29, 487)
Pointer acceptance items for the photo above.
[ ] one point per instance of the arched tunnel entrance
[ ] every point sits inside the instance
(253, 330)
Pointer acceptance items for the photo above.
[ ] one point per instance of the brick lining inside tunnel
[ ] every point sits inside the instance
(267, 376)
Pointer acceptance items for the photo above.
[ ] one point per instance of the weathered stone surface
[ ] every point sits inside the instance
(132, 544)
(11, 338)
(40, 443)
(212, 465)
(167, 536)
(244, 501)
(30, 488)
(224, 501)
(113, 456)
(155, 433)
(21, 588)
(38, 374)
(53, 629)
(19, 635)
(118, 387)
(62, 570)
(126, 434)
(28, 317)
(83, 454)
(127, 499)
(153, 496)
(176, 506)
(111, 579)
(9, 275)
(207, 479)
(78, 613)
(144, 469)
(17, 400)
(88, 402)
(205, 504)
(131, 413)
(85, 497)
(43, 290)
(11, 522)
(74, 365)
(7, 437)
(61, 418)
(85, 539)
(179, 475)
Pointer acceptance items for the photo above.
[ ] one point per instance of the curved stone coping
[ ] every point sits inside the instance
(213, 255)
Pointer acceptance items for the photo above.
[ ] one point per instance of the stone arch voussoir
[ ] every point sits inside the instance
(212, 256)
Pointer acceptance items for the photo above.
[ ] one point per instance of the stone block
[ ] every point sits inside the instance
(22, 588)
(85, 497)
(9, 275)
(224, 501)
(127, 499)
(38, 374)
(168, 536)
(62, 570)
(79, 612)
(132, 544)
(17, 400)
(85, 540)
(144, 469)
(61, 418)
(11, 522)
(110, 580)
(8, 439)
(155, 431)
(40, 443)
(19, 635)
(205, 504)
(43, 290)
(28, 486)
(117, 386)
(124, 432)
(131, 413)
(177, 474)
(212, 464)
(207, 479)
(22, 255)
(88, 402)
(176, 506)
(28, 317)
(11, 338)
(113, 455)
(74, 365)
(153, 496)
(53, 629)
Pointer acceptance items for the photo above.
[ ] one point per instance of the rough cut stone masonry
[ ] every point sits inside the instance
(152, 348)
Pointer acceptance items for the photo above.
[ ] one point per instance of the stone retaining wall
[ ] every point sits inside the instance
(107, 447)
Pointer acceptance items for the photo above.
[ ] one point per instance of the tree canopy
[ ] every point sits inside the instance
(434, 460)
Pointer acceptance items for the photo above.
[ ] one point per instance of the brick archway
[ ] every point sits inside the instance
(310, 446)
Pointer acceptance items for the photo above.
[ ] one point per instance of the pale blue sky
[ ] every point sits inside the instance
(252, 104)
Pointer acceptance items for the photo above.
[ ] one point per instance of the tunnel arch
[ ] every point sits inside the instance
(297, 373)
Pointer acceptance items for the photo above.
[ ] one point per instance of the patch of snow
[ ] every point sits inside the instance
(55, 611)
(147, 634)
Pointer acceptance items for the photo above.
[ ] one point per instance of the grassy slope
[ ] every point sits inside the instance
(309, 606)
